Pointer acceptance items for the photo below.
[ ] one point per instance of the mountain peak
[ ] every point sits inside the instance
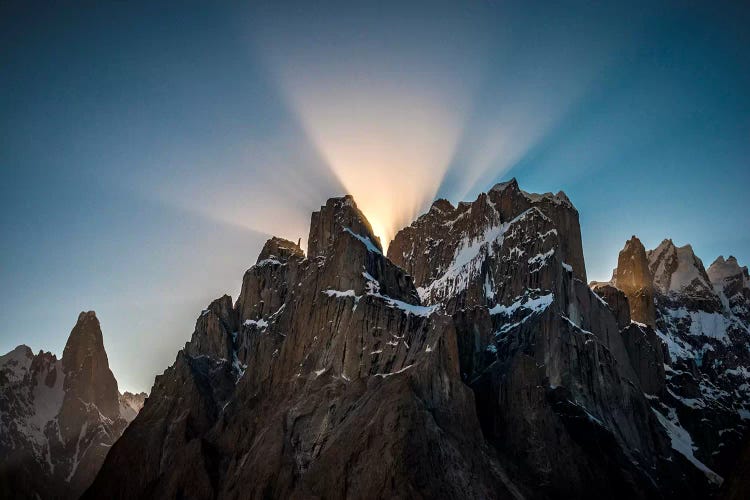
(334, 218)
(86, 366)
(20, 351)
(501, 186)
(634, 278)
(634, 244)
(15, 364)
(677, 268)
(721, 270)
(85, 338)
(442, 205)
(280, 249)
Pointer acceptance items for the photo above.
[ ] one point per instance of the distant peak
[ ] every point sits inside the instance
(86, 316)
(21, 352)
(442, 205)
(85, 340)
(501, 186)
(634, 242)
(722, 269)
(667, 242)
(23, 349)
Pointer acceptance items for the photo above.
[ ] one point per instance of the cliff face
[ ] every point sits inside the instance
(471, 362)
(557, 392)
(58, 418)
(701, 324)
(634, 278)
(328, 377)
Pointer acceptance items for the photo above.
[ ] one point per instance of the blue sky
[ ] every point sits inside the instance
(147, 150)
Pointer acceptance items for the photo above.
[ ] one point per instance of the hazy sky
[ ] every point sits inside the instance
(147, 151)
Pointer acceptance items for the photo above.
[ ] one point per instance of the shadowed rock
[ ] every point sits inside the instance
(59, 417)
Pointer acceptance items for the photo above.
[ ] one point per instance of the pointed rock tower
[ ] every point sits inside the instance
(633, 277)
(58, 418)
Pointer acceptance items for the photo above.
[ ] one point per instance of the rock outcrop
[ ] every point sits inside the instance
(338, 383)
(634, 278)
(472, 362)
(557, 393)
(702, 329)
(58, 418)
(131, 404)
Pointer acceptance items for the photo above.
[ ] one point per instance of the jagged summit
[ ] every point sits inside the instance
(85, 338)
(279, 249)
(721, 270)
(86, 364)
(501, 186)
(512, 185)
(15, 364)
(442, 205)
(336, 216)
(703, 319)
(58, 417)
(472, 361)
(676, 269)
(633, 277)
(448, 229)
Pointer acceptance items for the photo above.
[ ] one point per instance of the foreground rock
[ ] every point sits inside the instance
(472, 362)
(327, 378)
(58, 418)
(557, 393)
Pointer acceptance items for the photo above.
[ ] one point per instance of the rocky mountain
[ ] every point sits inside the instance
(473, 361)
(701, 319)
(131, 404)
(58, 417)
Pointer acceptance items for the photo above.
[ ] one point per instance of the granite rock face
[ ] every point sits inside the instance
(339, 383)
(557, 393)
(58, 418)
(616, 300)
(702, 327)
(471, 362)
(633, 277)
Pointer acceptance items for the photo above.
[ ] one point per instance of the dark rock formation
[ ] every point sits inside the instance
(703, 330)
(490, 370)
(634, 278)
(58, 418)
(430, 242)
(339, 384)
(646, 354)
(617, 302)
(737, 487)
(556, 391)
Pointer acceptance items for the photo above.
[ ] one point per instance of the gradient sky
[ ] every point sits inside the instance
(147, 151)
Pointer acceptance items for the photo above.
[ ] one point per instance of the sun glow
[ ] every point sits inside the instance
(386, 122)
(393, 113)
(388, 148)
